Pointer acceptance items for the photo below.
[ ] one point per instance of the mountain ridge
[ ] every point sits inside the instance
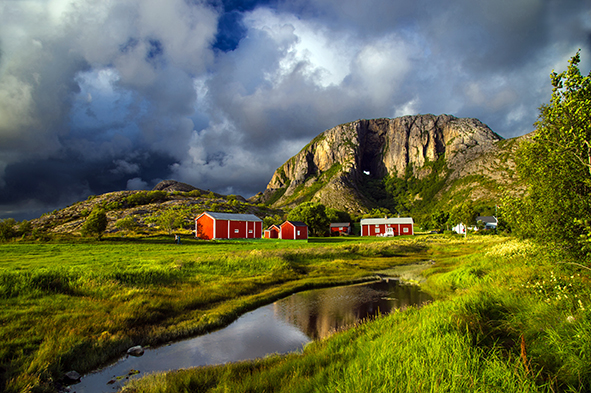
(335, 167)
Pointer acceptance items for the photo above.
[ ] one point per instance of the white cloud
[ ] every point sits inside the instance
(130, 84)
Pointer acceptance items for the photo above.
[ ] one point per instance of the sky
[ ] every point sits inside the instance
(109, 95)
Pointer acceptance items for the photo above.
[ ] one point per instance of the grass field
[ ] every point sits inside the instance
(77, 304)
(509, 315)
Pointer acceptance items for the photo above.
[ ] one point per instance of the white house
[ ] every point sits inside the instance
(490, 222)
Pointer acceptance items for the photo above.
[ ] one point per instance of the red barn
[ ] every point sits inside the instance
(387, 226)
(294, 230)
(272, 232)
(211, 225)
(340, 228)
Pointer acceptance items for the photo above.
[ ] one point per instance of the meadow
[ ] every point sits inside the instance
(75, 303)
(509, 315)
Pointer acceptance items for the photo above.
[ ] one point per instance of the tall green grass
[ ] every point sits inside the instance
(75, 306)
(510, 317)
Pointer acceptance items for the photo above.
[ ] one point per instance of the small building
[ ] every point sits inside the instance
(387, 226)
(459, 229)
(210, 225)
(272, 232)
(340, 228)
(490, 222)
(294, 230)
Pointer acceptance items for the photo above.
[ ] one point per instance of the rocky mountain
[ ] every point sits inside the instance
(405, 164)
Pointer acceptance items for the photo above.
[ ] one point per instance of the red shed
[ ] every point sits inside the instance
(342, 228)
(387, 226)
(211, 225)
(294, 230)
(272, 232)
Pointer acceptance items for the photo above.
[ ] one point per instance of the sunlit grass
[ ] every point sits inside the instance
(77, 305)
(508, 319)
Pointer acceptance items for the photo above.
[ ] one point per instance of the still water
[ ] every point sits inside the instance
(283, 326)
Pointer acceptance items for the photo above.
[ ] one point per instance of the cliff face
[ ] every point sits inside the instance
(332, 168)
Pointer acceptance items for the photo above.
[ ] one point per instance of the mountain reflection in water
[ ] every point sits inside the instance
(281, 327)
(318, 313)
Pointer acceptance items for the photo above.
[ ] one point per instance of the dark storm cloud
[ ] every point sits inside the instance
(104, 96)
(70, 177)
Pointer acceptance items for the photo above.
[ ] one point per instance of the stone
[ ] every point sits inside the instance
(72, 376)
(173, 185)
(136, 351)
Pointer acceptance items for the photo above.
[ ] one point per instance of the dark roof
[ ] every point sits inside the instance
(231, 216)
(487, 219)
(340, 224)
(296, 223)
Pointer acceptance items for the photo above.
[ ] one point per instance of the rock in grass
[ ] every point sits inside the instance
(136, 351)
(72, 376)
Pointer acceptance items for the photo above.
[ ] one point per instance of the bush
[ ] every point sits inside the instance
(95, 224)
(7, 230)
(113, 205)
(146, 197)
(194, 193)
(128, 224)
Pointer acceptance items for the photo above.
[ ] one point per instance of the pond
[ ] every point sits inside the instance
(284, 326)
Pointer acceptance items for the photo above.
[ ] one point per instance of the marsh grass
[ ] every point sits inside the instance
(508, 318)
(78, 305)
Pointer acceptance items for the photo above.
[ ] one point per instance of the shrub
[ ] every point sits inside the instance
(7, 230)
(95, 224)
(194, 193)
(113, 205)
(146, 197)
(127, 223)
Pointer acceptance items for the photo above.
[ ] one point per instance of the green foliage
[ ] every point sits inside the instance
(281, 172)
(127, 224)
(172, 218)
(303, 193)
(335, 215)
(146, 197)
(95, 224)
(7, 229)
(378, 212)
(277, 194)
(312, 214)
(113, 205)
(194, 193)
(272, 220)
(439, 219)
(464, 214)
(408, 193)
(556, 167)
(24, 228)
